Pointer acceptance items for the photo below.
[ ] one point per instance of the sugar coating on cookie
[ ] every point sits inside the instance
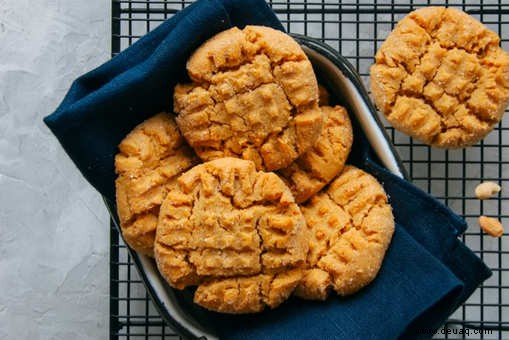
(441, 77)
(351, 226)
(151, 158)
(253, 95)
(313, 170)
(226, 220)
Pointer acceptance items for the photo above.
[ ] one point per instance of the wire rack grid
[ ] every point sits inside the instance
(357, 29)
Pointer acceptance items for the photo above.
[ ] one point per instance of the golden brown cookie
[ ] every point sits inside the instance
(325, 160)
(226, 223)
(350, 225)
(254, 96)
(441, 77)
(151, 157)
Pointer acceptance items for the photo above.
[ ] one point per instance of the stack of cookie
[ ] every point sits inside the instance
(245, 194)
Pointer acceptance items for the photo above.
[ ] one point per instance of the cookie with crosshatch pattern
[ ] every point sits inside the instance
(313, 170)
(441, 77)
(350, 224)
(151, 158)
(234, 232)
(253, 95)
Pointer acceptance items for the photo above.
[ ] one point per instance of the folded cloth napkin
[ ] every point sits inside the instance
(427, 272)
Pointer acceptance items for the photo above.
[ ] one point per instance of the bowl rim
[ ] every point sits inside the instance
(189, 331)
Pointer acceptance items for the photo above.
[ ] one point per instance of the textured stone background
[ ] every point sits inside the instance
(54, 230)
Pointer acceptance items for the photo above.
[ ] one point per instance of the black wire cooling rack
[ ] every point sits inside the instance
(356, 29)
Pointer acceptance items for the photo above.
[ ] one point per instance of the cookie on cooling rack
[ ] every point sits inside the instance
(253, 95)
(233, 231)
(325, 159)
(151, 158)
(441, 77)
(350, 225)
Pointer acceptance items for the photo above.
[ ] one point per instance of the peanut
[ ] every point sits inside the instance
(491, 226)
(486, 190)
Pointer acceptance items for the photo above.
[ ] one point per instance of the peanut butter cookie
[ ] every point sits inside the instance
(441, 77)
(323, 161)
(234, 232)
(253, 95)
(151, 158)
(350, 225)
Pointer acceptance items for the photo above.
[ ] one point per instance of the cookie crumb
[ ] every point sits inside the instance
(486, 190)
(491, 226)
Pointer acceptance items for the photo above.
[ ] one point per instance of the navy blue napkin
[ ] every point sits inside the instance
(427, 272)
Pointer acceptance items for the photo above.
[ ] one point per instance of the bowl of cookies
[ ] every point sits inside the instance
(248, 194)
